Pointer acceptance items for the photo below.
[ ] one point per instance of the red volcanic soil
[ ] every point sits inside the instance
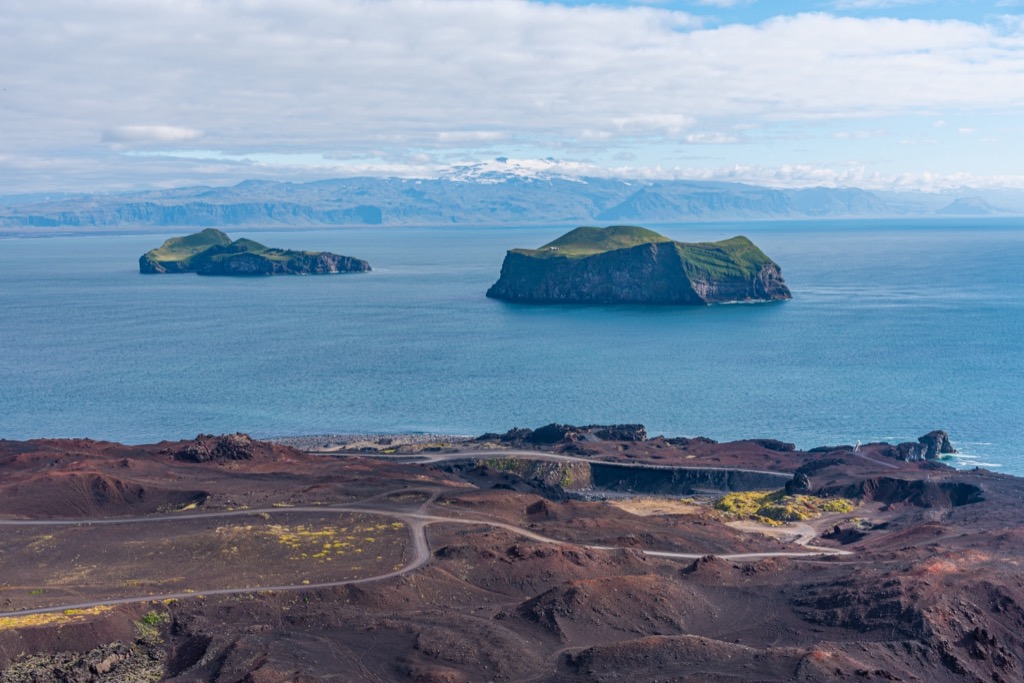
(506, 582)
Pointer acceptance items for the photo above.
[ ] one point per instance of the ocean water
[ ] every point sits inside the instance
(896, 328)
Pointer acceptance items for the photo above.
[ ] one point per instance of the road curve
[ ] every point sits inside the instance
(416, 521)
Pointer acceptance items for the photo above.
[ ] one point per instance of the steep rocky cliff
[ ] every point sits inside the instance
(211, 252)
(624, 264)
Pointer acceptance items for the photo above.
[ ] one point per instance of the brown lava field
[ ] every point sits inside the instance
(229, 560)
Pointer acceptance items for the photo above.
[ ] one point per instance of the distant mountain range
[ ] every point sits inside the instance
(487, 198)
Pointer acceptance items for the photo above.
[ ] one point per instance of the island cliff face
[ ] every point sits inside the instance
(211, 252)
(624, 264)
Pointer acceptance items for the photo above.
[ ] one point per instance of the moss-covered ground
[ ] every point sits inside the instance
(775, 507)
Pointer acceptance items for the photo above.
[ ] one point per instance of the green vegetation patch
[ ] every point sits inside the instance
(181, 248)
(775, 507)
(212, 245)
(587, 241)
(737, 257)
(150, 624)
(510, 465)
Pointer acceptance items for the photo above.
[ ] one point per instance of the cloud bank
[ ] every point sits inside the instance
(387, 79)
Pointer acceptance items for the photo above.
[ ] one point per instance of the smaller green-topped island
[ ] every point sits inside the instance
(627, 264)
(211, 252)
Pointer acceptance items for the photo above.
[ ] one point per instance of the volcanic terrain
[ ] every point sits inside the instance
(557, 554)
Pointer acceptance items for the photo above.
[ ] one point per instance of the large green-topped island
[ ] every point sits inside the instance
(211, 252)
(626, 264)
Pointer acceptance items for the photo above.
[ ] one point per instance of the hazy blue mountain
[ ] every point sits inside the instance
(970, 206)
(483, 199)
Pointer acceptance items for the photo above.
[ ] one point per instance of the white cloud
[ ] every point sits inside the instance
(860, 134)
(966, 131)
(388, 78)
(470, 136)
(712, 139)
(660, 124)
(151, 134)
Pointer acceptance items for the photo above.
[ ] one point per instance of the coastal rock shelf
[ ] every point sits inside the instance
(625, 264)
(211, 252)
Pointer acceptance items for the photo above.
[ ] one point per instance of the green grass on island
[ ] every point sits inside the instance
(587, 241)
(184, 248)
(181, 248)
(734, 257)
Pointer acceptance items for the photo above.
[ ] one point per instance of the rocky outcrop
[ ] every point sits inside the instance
(931, 446)
(685, 442)
(936, 443)
(208, 448)
(211, 252)
(628, 432)
(556, 433)
(639, 267)
(800, 483)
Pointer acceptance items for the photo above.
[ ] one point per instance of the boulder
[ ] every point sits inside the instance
(800, 483)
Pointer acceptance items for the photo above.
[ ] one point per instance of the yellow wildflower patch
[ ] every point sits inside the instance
(67, 616)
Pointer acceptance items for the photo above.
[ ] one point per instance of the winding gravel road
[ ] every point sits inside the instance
(416, 521)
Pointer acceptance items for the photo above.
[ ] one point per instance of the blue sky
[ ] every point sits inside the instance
(718, 12)
(881, 94)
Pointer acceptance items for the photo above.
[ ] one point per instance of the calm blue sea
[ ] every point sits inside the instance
(896, 328)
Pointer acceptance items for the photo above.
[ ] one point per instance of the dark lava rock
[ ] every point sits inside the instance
(775, 445)
(683, 442)
(514, 435)
(629, 432)
(800, 483)
(844, 535)
(931, 446)
(207, 448)
(553, 433)
(112, 663)
(936, 443)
